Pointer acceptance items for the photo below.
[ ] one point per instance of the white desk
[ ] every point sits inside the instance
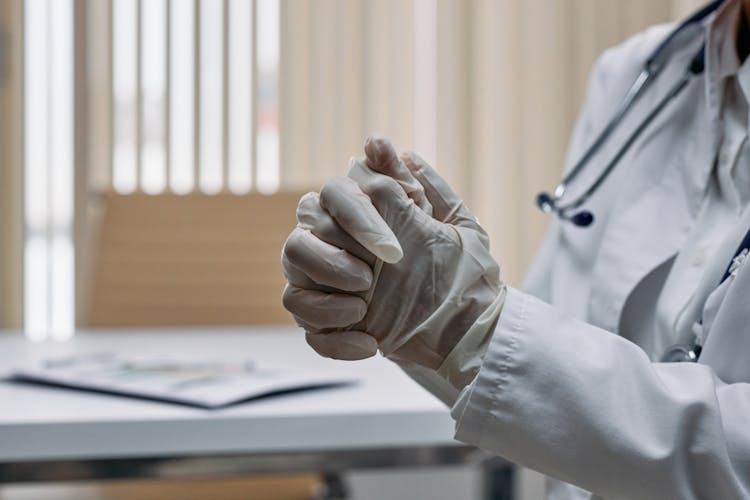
(56, 434)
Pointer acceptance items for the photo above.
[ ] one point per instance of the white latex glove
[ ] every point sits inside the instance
(389, 257)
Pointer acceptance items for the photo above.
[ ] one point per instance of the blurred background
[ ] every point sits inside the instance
(152, 151)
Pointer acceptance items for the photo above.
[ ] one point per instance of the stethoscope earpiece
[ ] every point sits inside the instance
(545, 202)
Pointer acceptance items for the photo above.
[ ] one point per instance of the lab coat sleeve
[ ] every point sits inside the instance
(588, 407)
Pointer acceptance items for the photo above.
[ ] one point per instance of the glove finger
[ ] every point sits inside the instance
(348, 345)
(324, 263)
(296, 277)
(355, 213)
(310, 328)
(382, 158)
(323, 310)
(384, 192)
(311, 216)
(447, 206)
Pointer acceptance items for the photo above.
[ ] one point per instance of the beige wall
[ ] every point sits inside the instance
(10, 166)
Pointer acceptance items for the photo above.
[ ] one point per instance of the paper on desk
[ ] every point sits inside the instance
(195, 383)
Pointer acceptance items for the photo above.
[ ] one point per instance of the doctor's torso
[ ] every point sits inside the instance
(670, 216)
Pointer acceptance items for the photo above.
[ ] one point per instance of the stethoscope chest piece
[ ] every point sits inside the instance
(681, 354)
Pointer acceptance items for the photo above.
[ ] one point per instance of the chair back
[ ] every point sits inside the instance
(196, 259)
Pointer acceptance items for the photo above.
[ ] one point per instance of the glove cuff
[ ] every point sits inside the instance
(471, 286)
(462, 364)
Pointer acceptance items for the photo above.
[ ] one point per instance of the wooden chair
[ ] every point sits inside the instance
(172, 260)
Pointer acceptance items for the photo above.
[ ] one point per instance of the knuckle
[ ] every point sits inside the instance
(328, 230)
(330, 189)
(316, 220)
(288, 298)
(292, 274)
(286, 267)
(294, 248)
(382, 186)
(318, 343)
(308, 197)
(307, 202)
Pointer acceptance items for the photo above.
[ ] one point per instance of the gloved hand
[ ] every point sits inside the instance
(389, 257)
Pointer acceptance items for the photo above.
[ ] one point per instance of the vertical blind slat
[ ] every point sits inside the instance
(180, 96)
(98, 140)
(453, 138)
(225, 95)
(254, 91)
(323, 89)
(196, 92)
(377, 103)
(349, 108)
(110, 94)
(239, 113)
(400, 46)
(48, 234)
(211, 88)
(425, 78)
(139, 95)
(294, 96)
(168, 95)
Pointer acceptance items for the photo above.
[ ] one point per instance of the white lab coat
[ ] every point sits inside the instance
(559, 391)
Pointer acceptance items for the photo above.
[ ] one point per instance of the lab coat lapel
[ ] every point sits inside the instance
(653, 215)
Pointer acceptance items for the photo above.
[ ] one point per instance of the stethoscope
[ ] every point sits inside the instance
(568, 209)
(652, 68)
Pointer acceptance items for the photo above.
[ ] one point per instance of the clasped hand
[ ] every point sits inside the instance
(388, 258)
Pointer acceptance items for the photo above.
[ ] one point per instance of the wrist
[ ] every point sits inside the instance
(463, 362)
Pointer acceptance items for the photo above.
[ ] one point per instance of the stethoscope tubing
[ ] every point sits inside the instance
(634, 92)
(669, 97)
(651, 70)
